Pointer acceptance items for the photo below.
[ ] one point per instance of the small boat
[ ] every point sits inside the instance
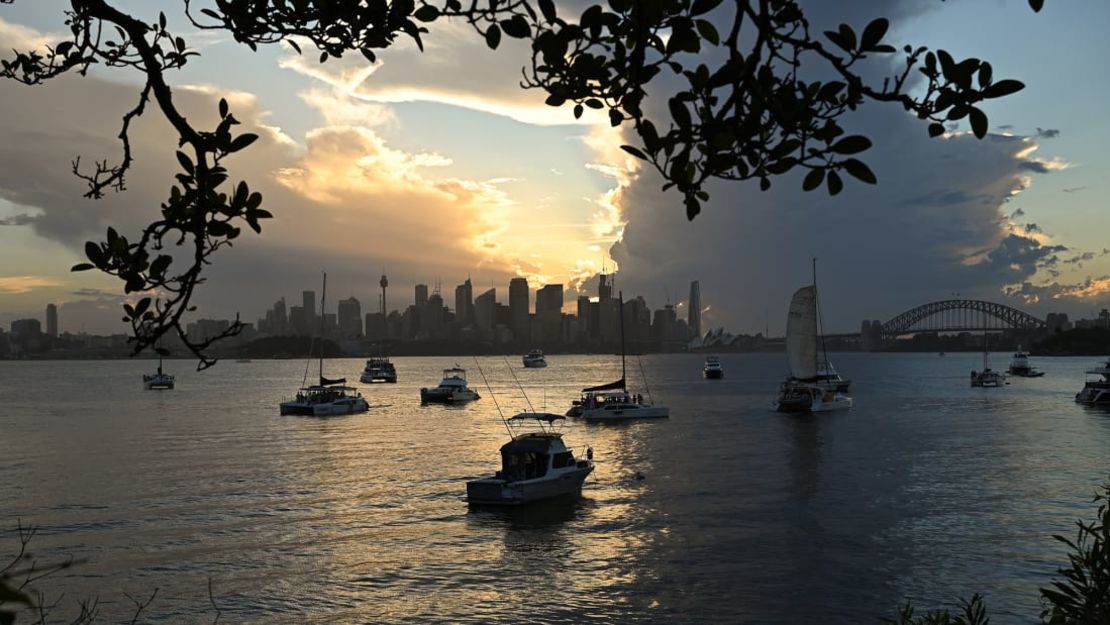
(451, 390)
(1096, 390)
(534, 466)
(159, 381)
(1019, 366)
(378, 369)
(712, 369)
(329, 398)
(534, 359)
(987, 378)
(612, 402)
(813, 384)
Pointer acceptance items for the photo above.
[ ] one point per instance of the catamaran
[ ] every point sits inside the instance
(811, 385)
(330, 397)
(612, 402)
(1096, 390)
(987, 378)
(159, 381)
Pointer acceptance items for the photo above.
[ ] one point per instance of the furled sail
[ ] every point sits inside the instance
(801, 334)
(612, 386)
(328, 381)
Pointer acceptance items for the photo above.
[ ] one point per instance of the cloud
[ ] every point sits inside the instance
(22, 219)
(18, 285)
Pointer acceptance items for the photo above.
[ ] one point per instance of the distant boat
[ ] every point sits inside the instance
(330, 397)
(452, 389)
(534, 466)
(534, 359)
(987, 378)
(612, 402)
(1096, 391)
(1019, 366)
(159, 381)
(712, 369)
(379, 369)
(813, 385)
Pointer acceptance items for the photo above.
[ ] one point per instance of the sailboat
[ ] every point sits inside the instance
(329, 397)
(159, 381)
(987, 378)
(810, 387)
(613, 402)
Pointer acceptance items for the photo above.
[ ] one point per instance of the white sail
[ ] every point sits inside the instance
(801, 334)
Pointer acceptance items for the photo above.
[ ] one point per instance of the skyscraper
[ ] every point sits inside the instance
(464, 302)
(484, 306)
(549, 298)
(52, 320)
(549, 313)
(693, 315)
(518, 308)
(349, 317)
(604, 287)
(421, 296)
(308, 305)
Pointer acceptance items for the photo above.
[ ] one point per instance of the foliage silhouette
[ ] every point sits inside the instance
(743, 110)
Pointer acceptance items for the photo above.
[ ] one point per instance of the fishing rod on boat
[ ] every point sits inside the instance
(518, 384)
(493, 396)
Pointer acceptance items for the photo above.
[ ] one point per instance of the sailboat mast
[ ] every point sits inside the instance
(323, 298)
(624, 378)
(820, 329)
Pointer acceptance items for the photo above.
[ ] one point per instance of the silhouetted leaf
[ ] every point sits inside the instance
(1003, 88)
(936, 129)
(82, 267)
(978, 121)
(493, 36)
(1036, 5)
(186, 163)
(852, 144)
(860, 171)
(223, 108)
(242, 141)
(516, 27)
(547, 7)
(835, 184)
(703, 6)
(634, 152)
(427, 13)
(873, 33)
(813, 179)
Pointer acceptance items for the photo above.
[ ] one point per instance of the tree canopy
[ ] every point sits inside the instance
(743, 108)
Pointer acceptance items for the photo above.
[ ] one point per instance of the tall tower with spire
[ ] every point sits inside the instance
(384, 282)
(693, 314)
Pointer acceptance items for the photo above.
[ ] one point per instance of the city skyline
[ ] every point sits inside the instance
(389, 165)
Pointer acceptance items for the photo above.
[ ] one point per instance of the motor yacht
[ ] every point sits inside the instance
(451, 390)
(712, 369)
(1019, 366)
(378, 369)
(534, 359)
(1096, 390)
(534, 466)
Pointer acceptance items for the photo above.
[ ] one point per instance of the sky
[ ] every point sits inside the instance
(434, 166)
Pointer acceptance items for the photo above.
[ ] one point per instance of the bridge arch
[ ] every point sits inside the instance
(960, 315)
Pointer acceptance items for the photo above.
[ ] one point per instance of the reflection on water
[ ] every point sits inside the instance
(726, 512)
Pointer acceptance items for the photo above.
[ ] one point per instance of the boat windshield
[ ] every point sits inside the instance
(454, 373)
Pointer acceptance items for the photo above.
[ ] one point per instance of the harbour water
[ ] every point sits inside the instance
(927, 490)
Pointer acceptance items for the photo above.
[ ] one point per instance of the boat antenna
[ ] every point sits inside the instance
(518, 384)
(820, 326)
(624, 377)
(644, 376)
(492, 395)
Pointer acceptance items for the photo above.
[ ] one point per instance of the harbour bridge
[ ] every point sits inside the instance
(954, 315)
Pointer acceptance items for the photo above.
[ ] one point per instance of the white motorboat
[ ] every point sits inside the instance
(378, 369)
(1096, 390)
(1019, 366)
(534, 359)
(451, 390)
(712, 369)
(158, 381)
(330, 397)
(534, 466)
(612, 402)
(813, 385)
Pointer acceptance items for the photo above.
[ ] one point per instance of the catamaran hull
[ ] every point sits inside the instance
(498, 492)
(713, 374)
(371, 379)
(1093, 396)
(333, 409)
(607, 415)
(1026, 373)
(535, 364)
(807, 407)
